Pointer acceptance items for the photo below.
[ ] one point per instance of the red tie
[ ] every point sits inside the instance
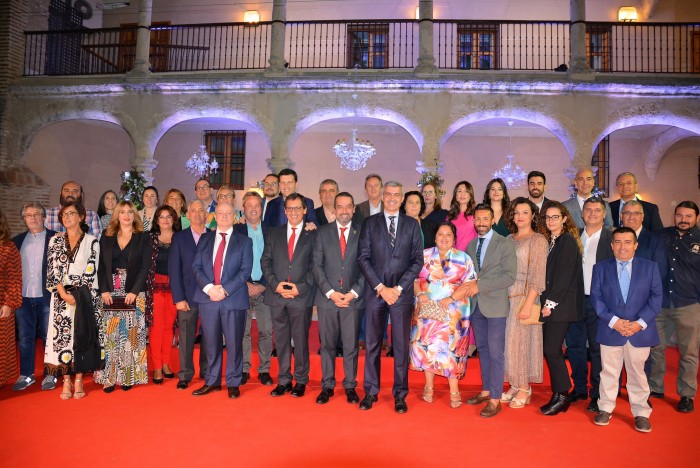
(219, 259)
(343, 242)
(290, 243)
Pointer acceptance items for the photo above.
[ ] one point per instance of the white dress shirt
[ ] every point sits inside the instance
(590, 249)
(217, 242)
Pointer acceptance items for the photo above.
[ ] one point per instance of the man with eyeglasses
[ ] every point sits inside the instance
(271, 190)
(626, 184)
(275, 214)
(72, 192)
(584, 181)
(205, 194)
(33, 317)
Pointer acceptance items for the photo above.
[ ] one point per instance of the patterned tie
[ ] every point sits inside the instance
(392, 230)
(343, 242)
(219, 259)
(290, 243)
(624, 280)
(478, 253)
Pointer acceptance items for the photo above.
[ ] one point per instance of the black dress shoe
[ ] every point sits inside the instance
(206, 389)
(274, 352)
(197, 339)
(338, 352)
(576, 396)
(280, 390)
(353, 397)
(686, 405)
(157, 381)
(367, 402)
(234, 392)
(324, 396)
(182, 384)
(109, 389)
(245, 377)
(558, 404)
(265, 378)
(168, 375)
(126, 388)
(593, 406)
(400, 405)
(657, 394)
(298, 390)
(390, 353)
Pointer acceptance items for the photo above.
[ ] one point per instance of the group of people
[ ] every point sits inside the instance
(521, 279)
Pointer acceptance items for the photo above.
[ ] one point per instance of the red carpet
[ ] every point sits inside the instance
(161, 426)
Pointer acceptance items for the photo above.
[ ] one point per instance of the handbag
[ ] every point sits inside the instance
(533, 317)
(432, 310)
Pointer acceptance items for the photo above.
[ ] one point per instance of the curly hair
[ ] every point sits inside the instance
(113, 227)
(177, 226)
(569, 225)
(535, 224)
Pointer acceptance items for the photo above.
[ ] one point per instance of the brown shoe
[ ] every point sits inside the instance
(478, 399)
(490, 410)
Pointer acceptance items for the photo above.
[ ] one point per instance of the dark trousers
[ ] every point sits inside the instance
(554, 334)
(375, 315)
(343, 324)
(292, 324)
(490, 335)
(217, 319)
(580, 332)
(187, 329)
(32, 322)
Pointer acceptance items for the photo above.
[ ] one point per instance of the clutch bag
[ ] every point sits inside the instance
(432, 310)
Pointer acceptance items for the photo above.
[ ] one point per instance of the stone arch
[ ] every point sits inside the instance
(658, 148)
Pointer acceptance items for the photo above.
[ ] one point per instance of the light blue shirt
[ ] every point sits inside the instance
(615, 318)
(32, 252)
(258, 246)
(484, 246)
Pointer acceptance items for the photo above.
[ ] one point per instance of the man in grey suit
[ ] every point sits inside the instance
(584, 183)
(496, 269)
(286, 266)
(340, 285)
(373, 189)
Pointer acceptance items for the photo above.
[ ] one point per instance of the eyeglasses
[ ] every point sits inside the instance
(293, 209)
(69, 214)
(552, 218)
(632, 214)
(272, 184)
(35, 215)
(202, 187)
(225, 196)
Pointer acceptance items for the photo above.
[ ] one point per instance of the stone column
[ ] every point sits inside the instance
(578, 65)
(426, 57)
(143, 161)
(280, 156)
(279, 18)
(142, 63)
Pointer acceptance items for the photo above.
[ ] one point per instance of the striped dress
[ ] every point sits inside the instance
(10, 295)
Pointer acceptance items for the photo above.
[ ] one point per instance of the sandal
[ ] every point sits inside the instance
(506, 397)
(66, 394)
(79, 393)
(520, 403)
(455, 399)
(428, 394)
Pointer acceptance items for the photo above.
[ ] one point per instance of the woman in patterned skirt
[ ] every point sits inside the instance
(125, 257)
(439, 347)
(10, 300)
(72, 263)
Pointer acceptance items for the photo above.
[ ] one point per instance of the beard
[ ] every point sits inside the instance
(535, 193)
(65, 200)
(683, 227)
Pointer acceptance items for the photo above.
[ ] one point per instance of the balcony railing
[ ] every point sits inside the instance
(376, 44)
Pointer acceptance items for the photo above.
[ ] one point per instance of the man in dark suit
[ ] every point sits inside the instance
(222, 265)
(626, 184)
(627, 303)
(496, 269)
(326, 193)
(286, 265)
(536, 184)
(391, 256)
(340, 286)
(373, 204)
(257, 230)
(183, 286)
(271, 190)
(33, 317)
(275, 213)
(596, 240)
(584, 181)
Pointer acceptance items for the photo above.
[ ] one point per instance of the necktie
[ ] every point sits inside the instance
(624, 280)
(290, 243)
(478, 253)
(392, 230)
(619, 216)
(219, 259)
(343, 242)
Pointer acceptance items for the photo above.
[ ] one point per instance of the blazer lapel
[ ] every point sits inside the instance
(351, 246)
(488, 253)
(616, 283)
(383, 227)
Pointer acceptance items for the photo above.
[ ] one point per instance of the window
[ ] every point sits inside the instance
(228, 148)
(477, 47)
(601, 160)
(598, 47)
(696, 52)
(158, 54)
(368, 45)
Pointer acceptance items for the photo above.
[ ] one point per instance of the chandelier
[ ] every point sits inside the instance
(512, 174)
(199, 163)
(355, 154)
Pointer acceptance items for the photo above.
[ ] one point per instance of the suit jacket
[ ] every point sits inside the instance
(363, 208)
(277, 267)
(242, 229)
(604, 250)
(427, 228)
(652, 219)
(380, 264)
(643, 301)
(651, 246)
(238, 264)
(275, 215)
(322, 220)
(19, 239)
(564, 281)
(138, 264)
(577, 217)
(496, 275)
(331, 272)
(180, 260)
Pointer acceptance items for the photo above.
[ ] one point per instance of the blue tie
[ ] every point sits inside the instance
(624, 280)
(478, 253)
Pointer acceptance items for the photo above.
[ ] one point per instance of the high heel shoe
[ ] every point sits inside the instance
(506, 397)
(156, 380)
(79, 393)
(455, 399)
(558, 404)
(169, 375)
(520, 403)
(428, 394)
(67, 394)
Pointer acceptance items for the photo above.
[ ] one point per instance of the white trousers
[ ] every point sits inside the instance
(612, 358)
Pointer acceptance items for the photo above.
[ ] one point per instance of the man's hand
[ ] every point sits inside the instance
(632, 328)
(470, 289)
(287, 293)
(340, 299)
(309, 227)
(216, 293)
(255, 289)
(390, 295)
(621, 327)
(182, 306)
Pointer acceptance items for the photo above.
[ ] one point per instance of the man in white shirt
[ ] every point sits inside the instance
(584, 183)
